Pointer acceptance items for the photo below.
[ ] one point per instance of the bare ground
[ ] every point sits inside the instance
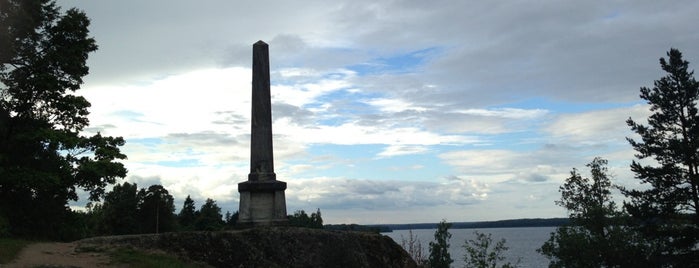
(58, 255)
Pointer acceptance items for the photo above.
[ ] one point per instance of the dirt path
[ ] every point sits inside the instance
(57, 255)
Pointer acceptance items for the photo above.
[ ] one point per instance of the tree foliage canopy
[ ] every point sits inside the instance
(188, 214)
(44, 157)
(301, 219)
(156, 210)
(119, 211)
(209, 217)
(439, 248)
(482, 253)
(589, 200)
(597, 237)
(668, 162)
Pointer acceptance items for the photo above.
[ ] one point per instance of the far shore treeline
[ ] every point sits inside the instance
(513, 223)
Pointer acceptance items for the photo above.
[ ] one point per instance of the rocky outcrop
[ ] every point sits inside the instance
(268, 247)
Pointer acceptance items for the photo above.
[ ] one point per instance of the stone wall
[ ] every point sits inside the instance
(268, 247)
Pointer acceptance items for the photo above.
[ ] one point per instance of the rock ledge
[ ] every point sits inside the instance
(268, 247)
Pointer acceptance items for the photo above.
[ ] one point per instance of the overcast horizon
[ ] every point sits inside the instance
(383, 111)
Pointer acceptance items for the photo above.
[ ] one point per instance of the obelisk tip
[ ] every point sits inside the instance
(260, 43)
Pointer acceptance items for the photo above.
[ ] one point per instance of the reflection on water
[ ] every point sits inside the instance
(522, 242)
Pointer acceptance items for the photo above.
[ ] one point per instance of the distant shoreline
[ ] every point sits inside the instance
(513, 223)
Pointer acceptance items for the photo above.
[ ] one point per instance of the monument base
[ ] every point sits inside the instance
(262, 203)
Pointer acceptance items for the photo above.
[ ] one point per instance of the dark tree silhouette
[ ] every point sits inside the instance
(596, 236)
(44, 159)
(231, 219)
(316, 220)
(156, 209)
(187, 215)
(301, 219)
(668, 162)
(120, 210)
(209, 218)
(439, 249)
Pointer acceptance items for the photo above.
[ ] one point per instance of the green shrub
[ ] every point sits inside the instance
(10, 248)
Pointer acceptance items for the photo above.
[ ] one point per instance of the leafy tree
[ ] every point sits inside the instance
(589, 200)
(210, 218)
(95, 219)
(479, 253)
(439, 249)
(44, 159)
(316, 220)
(156, 210)
(120, 210)
(668, 162)
(188, 214)
(301, 219)
(231, 219)
(596, 237)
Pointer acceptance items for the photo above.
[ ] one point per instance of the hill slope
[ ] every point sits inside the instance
(269, 247)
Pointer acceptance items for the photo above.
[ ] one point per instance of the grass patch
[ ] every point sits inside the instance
(10, 248)
(139, 259)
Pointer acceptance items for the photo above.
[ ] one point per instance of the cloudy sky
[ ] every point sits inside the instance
(384, 111)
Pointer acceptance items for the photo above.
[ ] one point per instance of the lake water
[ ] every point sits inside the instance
(522, 243)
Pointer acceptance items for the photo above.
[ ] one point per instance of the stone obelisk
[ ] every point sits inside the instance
(262, 200)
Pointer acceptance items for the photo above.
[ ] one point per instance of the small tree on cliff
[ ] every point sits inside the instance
(481, 253)
(439, 249)
(596, 236)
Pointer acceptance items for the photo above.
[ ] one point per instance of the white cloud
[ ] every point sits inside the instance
(184, 103)
(482, 159)
(396, 150)
(598, 126)
(394, 105)
(305, 93)
(351, 134)
(336, 193)
(511, 113)
(486, 121)
(494, 166)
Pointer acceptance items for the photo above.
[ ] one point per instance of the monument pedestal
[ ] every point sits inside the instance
(262, 203)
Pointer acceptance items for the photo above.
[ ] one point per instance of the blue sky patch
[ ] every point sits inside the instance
(147, 141)
(128, 114)
(400, 63)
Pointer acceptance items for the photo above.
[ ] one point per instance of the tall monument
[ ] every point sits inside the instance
(262, 200)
